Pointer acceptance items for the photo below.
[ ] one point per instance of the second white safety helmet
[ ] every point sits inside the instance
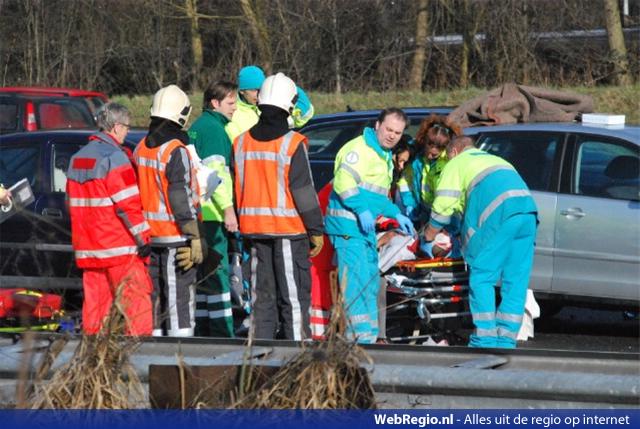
(171, 103)
(278, 90)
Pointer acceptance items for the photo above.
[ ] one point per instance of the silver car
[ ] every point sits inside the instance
(586, 183)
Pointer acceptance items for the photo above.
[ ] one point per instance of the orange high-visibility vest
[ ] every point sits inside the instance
(265, 204)
(154, 191)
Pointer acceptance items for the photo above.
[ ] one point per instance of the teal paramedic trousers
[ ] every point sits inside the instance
(507, 254)
(359, 280)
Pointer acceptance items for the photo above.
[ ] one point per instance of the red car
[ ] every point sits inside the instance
(30, 109)
(94, 99)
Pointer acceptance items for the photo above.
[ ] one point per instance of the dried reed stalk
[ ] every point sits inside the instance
(324, 375)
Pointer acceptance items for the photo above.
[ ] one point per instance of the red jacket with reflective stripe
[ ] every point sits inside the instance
(107, 224)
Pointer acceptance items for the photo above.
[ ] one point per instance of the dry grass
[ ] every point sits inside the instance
(324, 375)
(98, 375)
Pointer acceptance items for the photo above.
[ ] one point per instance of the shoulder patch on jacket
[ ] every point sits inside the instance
(84, 163)
(352, 157)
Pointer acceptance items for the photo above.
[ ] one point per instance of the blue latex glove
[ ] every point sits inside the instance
(405, 224)
(426, 247)
(367, 222)
(409, 211)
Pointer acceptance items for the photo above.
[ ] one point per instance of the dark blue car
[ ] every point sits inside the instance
(35, 244)
(328, 133)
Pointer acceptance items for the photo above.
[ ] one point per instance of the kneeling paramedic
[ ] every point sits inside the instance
(363, 174)
(279, 212)
(498, 232)
(170, 201)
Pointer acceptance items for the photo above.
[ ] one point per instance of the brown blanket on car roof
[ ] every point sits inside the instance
(512, 103)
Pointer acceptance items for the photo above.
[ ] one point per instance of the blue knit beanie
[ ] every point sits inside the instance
(250, 77)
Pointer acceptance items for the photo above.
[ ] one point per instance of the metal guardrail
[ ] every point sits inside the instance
(416, 376)
(37, 246)
(36, 282)
(40, 283)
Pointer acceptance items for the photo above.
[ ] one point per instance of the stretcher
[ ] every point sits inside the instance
(426, 298)
(22, 310)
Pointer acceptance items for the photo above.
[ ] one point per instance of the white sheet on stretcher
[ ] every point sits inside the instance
(395, 250)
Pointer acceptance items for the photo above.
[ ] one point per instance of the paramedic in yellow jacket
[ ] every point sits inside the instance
(250, 80)
(498, 230)
(362, 177)
(207, 134)
(419, 180)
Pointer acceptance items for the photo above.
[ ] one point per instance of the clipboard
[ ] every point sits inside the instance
(21, 197)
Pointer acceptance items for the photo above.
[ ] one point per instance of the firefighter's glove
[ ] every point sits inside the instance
(188, 256)
(317, 241)
(405, 224)
(367, 222)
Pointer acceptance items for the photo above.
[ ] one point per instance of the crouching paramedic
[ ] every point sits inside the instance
(363, 174)
(498, 232)
(170, 201)
(109, 233)
(278, 211)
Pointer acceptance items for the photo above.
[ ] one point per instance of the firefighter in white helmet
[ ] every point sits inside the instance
(278, 212)
(170, 203)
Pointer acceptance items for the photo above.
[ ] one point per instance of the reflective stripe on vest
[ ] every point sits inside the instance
(154, 190)
(265, 204)
(356, 177)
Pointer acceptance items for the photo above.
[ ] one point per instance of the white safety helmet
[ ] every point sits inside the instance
(278, 90)
(171, 103)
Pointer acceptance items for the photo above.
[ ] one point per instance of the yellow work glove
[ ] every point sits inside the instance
(187, 257)
(317, 241)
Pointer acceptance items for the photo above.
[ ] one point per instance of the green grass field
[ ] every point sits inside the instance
(611, 99)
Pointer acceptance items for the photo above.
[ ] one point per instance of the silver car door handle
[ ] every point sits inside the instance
(574, 212)
(57, 213)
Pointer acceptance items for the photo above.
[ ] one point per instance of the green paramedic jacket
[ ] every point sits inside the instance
(213, 146)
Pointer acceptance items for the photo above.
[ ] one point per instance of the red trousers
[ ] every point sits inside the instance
(321, 300)
(101, 285)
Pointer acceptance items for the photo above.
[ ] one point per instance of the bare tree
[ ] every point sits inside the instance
(417, 66)
(337, 64)
(260, 33)
(618, 51)
(191, 10)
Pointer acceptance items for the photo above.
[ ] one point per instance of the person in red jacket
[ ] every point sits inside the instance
(109, 234)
